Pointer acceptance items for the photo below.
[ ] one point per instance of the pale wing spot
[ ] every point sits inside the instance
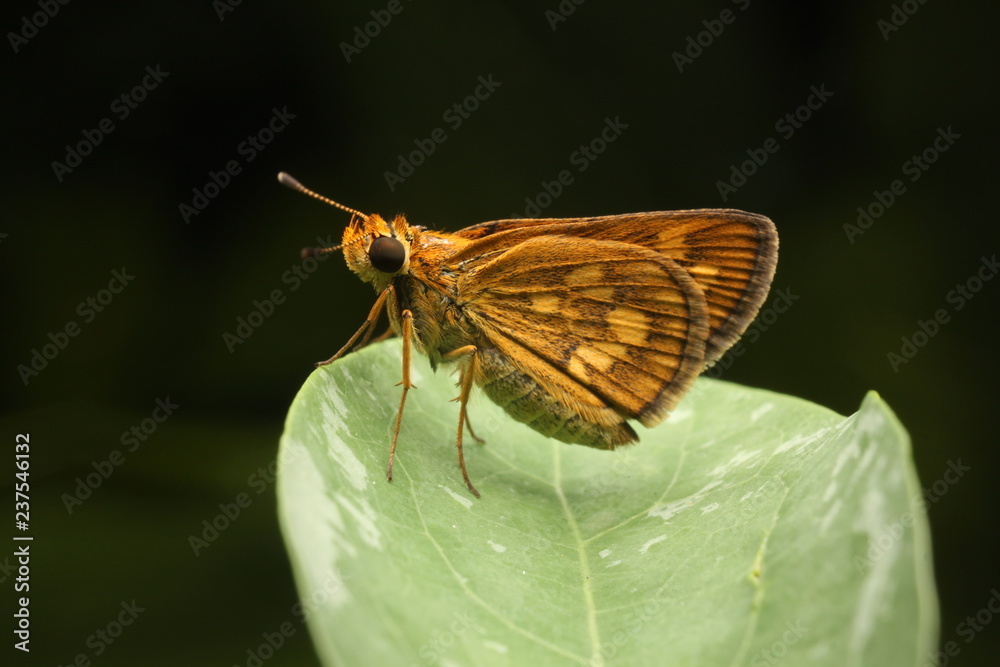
(665, 296)
(587, 274)
(629, 326)
(547, 304)
(705, 270)
(577, 368)
(665, 361)
(611, 351)
(599, 356)
(669, 324)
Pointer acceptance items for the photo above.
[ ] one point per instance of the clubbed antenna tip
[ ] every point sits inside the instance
(292, 183)
(289, 181)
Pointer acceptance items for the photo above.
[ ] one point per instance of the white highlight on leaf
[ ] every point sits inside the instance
(645, 547)
(353, 469)
(876, 588)
(870, 421)
(364, 518)
(467, 502)
(804, 440)
(793, 442)
(604, 553)
(682, 412)
(318, 530)
(496, 646)
(740, 459)
(830, 515)
(667, 511)
(851, 451)
(761, 411)
(613, 563)
(706, 444)
(867, 461)
(334, 408)
(499, 548)
(884, 547)
(711, 507)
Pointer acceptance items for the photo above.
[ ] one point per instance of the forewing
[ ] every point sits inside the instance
(610, 329)
(730, 254)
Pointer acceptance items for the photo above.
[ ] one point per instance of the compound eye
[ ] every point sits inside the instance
(387, 254)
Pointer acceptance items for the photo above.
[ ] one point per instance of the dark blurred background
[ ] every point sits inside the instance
(694, 90)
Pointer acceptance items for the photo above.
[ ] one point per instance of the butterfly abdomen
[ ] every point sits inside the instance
(526, 401)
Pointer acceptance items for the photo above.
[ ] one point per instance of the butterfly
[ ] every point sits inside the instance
(574, 326)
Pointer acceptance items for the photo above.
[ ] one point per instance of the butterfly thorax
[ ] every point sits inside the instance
(428, 288)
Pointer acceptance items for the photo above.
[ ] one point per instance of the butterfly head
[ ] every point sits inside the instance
(375, 249)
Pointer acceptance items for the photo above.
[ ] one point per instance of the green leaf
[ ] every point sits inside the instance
(749, 529)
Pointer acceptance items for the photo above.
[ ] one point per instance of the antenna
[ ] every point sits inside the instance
(289, 181)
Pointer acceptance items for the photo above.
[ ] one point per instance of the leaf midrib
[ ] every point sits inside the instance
(581, 550)
(462, 583)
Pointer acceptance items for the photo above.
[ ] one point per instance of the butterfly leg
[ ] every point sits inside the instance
(468, 425)
(378, 339)
(468, 422)
(407, 319)
(368, 334)
(369, 321)
(468, 375)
